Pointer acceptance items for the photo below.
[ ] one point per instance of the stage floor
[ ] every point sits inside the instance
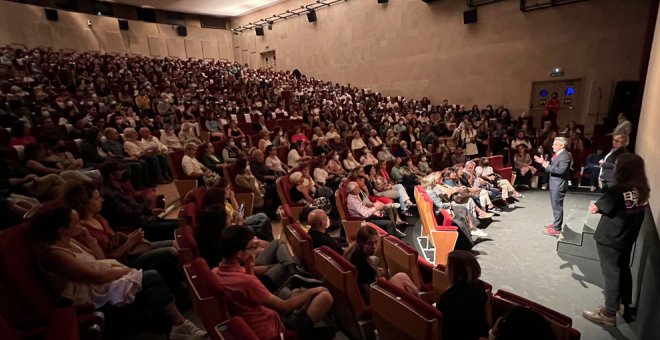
(519, 258)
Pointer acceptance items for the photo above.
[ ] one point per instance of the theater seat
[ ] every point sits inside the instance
(196, 196)
(208, 297)
(188, 215)
(351, 313)
(186, 244)
(399, 315)
(229, 173)
(26, 299)
(184, 184)
(402, 258)
(503, 301)
(438, 240)
(497, 162)
(283, 189)
(301, 245)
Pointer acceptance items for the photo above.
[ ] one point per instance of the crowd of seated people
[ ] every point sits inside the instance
(111, 124)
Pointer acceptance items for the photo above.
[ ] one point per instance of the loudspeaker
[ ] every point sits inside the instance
(470, 16)
(382, 1)
(311, 16)
(428, 1)
(259, 30)
(51, 14)
(182, 31)
(123, 24)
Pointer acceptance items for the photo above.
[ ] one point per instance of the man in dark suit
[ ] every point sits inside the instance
(619, 144)
(559, 169)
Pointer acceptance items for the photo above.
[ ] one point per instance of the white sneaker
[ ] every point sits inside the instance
(511, 206)
(396, 205)
(187, 331)
(478, 233)
(544, 187)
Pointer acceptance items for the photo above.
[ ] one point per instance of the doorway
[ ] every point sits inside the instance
(269, 60)
(569, 93)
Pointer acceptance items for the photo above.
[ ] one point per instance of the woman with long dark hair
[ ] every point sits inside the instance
(622, 211)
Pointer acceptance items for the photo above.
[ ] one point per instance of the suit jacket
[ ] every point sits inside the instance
(560, 170)
(607, 168)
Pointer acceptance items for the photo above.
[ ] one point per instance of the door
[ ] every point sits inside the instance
(269, 60)
(568, 92)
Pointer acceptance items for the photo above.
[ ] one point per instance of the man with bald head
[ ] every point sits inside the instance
(559, 168)
(319, 223)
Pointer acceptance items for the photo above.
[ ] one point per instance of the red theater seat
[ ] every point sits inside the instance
(402, 258)
(301, 245)
(400, 315)
(186, 244)
(504, 301)
(352, 315)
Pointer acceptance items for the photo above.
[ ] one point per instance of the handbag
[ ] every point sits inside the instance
(460, 197)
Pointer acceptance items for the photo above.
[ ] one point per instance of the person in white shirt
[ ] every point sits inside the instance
(187, 134)
(147, 141)
(193, 168)
(357, 143)
(384, 154)
(374, 140)
(367, 157)
(274, 163)
(160, 170)
(350, 163)
(169, 139)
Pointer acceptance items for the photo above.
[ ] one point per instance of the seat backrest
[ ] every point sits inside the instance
(496, 161)
(401, 315)
(210, 302)
(196, 196)
(187, 244)
(28, 295)
(301, 245)
(229, 171)
(283, 190)
(174, 159)
(341, 279)
(188, 214)
(504, 301)
(401, 258)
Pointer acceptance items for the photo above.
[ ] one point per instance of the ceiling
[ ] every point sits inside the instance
(231, 8)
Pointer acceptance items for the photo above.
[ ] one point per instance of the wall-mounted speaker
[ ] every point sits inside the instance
(182, 31)
(382, 1)
(123, 24)
(259, 30)
(311, 16)
(428, 1)
(470, 16)
(51, 14)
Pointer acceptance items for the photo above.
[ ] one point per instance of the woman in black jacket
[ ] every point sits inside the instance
(622, 210)
(463, 305)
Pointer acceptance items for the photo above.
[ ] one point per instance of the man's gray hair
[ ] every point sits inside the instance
(562, 140)
(351, 186)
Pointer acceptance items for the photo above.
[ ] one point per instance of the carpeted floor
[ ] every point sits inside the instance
(517, 257)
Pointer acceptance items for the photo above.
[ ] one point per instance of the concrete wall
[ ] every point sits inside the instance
(27, 25)
(411, 48)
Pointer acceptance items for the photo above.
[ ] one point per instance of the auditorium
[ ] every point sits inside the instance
(329, 169)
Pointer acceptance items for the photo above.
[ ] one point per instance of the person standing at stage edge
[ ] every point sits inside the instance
(559, 168)
(622, 208)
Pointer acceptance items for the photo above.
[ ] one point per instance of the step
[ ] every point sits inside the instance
(573, 227)
(586, 250)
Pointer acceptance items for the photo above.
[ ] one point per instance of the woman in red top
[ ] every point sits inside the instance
(298, 135)
(87, 201)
